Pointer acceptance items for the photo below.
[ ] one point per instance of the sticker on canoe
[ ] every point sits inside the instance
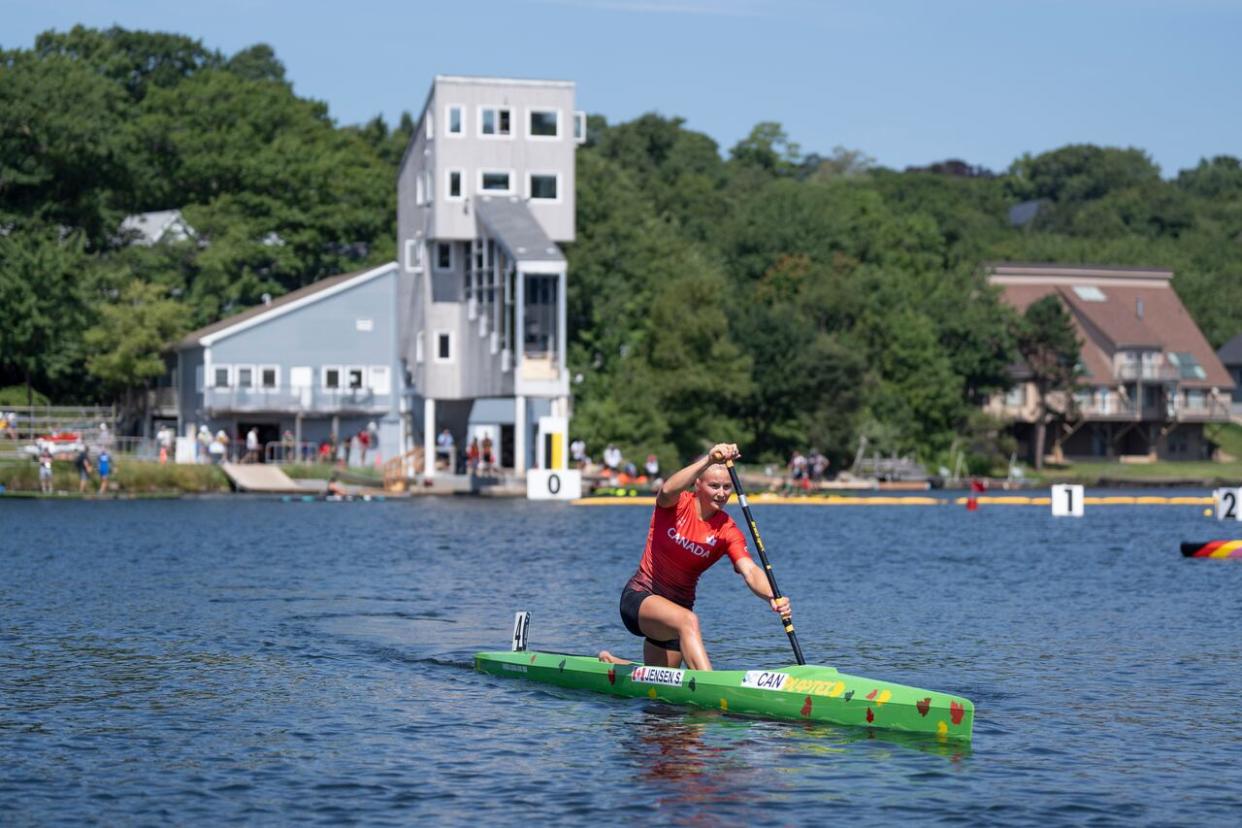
(514, 668)
(658, 675)
(763, 680)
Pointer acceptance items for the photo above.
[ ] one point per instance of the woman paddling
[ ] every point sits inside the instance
(689, 532)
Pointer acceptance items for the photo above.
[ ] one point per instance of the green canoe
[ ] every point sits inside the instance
(808, 693)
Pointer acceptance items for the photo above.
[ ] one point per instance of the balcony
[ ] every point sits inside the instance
(162, 401)
(1145, 373)
(296, 399)
(1201, 411)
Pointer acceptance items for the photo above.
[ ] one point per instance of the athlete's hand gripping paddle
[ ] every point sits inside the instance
(763, 556)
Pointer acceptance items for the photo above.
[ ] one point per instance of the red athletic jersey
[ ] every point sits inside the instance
(681, 547)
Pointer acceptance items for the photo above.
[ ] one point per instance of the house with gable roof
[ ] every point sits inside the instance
(317, 362)
(1150, 381)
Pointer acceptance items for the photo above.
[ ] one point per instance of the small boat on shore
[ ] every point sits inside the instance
(1212, 549)
(795, 693)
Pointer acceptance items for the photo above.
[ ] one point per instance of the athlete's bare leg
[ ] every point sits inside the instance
(660, 657)
(609, 658)
(661, 619)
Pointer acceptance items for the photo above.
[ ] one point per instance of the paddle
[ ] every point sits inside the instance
(763, 556)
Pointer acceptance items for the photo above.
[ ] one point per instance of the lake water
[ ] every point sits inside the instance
(236, 660)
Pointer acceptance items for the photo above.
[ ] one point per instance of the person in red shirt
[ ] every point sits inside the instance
(689, 532)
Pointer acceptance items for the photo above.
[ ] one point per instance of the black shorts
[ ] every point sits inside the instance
(630, 600)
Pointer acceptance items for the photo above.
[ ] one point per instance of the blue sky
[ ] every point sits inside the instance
(906, 82)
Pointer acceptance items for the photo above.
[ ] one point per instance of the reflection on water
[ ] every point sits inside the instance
(257, 662)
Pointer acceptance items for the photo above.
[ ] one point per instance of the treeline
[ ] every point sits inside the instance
(779, 298)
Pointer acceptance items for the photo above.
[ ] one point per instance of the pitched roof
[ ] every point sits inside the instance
(151, 227)
(516, 229)
(281, 305)
(1116, 309)
(1231, 352)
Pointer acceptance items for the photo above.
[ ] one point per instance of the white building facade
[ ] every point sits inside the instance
(485, 196)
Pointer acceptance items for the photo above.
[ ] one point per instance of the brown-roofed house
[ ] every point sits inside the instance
(1150, 379)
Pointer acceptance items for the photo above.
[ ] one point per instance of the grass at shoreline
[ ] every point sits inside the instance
(1186, 472)
(132, 477)
(128, 477)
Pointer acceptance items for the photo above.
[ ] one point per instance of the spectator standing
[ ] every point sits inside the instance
(105, 469)
(165, 438)
(444, 448)
(489, 461)
(577, 453)
(612, 458)
(82, 462)
(819, 465)
(288, 447)
(472, 456)
(218, 447)
(204, 444)
(797, 465)
(252, 445)
(373, 440)
(45, 470)
(364, 443)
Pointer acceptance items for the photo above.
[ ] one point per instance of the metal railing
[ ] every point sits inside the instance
(295, 399)
(1154, 373)
(21, 426)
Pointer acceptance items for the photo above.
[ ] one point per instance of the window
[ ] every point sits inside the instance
(419, 195)
(1090, 293)
(300, 376)
(220, 377)
(413, 255)
(245, 376)
(269, 377)
(544, 123)
(496, 181)
(454, 188)
(444, 346)
(356, 378)
(332, 378)
(1187, 365)
(431, 126)
(1016, 396)
(444, 255)
(1195, 399)
(455, 118)
(377, 379)
(580, 127)
(429, 186)
(418, 347)
(495, 122)
(544, 187)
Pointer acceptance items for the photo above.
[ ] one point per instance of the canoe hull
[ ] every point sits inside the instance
(795, 693)
(1212, 549)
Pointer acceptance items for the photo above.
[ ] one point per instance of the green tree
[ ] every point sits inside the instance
(43, 308)
(1050, 349)
(127, 345)
(768, 148)
(65, 149)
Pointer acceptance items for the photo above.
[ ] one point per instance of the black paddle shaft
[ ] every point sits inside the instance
(763, 556)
